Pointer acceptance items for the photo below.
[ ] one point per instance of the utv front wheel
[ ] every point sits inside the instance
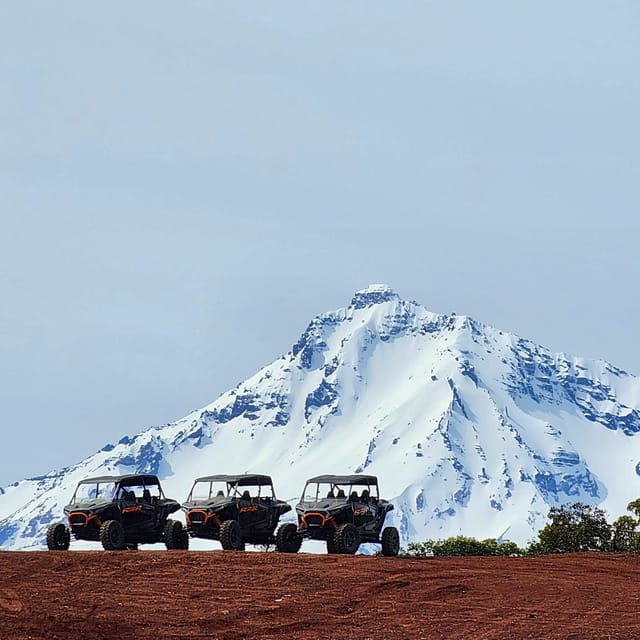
(231, 536)
(112, 536)
(287, 538)
(346, 539)
(175, 537)
(58, 537)
(390, 541)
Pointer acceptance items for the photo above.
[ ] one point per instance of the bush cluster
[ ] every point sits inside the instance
(572, 528)
(463, 546)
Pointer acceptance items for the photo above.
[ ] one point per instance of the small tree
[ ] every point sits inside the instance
(625, 529)
(576, 527)
(634, 507)
(625, 536)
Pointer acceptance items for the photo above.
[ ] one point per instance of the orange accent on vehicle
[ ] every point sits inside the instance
(207, 516)
(87, 518)
(138, 507)
(325, 520)
(253, 507)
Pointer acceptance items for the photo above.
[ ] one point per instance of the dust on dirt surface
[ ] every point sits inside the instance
(151, 595)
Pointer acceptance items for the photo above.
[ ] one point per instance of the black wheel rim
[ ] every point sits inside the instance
(234, 536)
(349, 539)
(114, 536)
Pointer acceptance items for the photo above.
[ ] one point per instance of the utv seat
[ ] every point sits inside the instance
(330, 494)
(246, 495)
(354, 497)
(341, 493)
(364, 496)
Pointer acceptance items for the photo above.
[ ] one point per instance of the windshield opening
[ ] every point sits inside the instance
(247, 491)
(88, 492)
(317, 491)
(205, 490)
(134, 491)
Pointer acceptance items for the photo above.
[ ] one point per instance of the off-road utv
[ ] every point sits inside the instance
(234, 510)
(344, 511)
(121, 512)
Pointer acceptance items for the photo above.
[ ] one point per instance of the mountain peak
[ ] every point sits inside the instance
(372, 295)
(470, 430)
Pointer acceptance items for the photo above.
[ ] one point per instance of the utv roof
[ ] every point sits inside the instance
(127, 479)
(354, 479)
(242, 480)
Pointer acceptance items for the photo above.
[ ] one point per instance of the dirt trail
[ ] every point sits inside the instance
(149, 595)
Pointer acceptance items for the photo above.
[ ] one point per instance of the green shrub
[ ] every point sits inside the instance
(462, 546)
(420, 549)
(534, 548)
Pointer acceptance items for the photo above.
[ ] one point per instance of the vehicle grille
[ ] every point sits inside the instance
(77, 520)
(197, 518)
(314, 520)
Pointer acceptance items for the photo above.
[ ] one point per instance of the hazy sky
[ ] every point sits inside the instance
(184, 185)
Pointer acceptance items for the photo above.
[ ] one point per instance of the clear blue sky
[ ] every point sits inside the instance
(183, 185)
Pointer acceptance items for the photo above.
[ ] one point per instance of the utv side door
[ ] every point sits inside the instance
(138, 512)
(252, 512)
(365, 512)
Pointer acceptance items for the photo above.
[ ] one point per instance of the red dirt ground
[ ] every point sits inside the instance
(151, 595)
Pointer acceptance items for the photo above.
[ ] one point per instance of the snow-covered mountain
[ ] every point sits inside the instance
(470, 429)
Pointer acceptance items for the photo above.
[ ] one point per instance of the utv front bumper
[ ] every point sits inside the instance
(318, 525)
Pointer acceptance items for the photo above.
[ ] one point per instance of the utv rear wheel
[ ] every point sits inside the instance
(390, 541)
(287, 538)
(175, 537)
(231, 536)
(331, 546)
(346, 539)
(58, 537)
(112, 536)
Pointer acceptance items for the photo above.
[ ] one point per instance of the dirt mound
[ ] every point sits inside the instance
(150, 595)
